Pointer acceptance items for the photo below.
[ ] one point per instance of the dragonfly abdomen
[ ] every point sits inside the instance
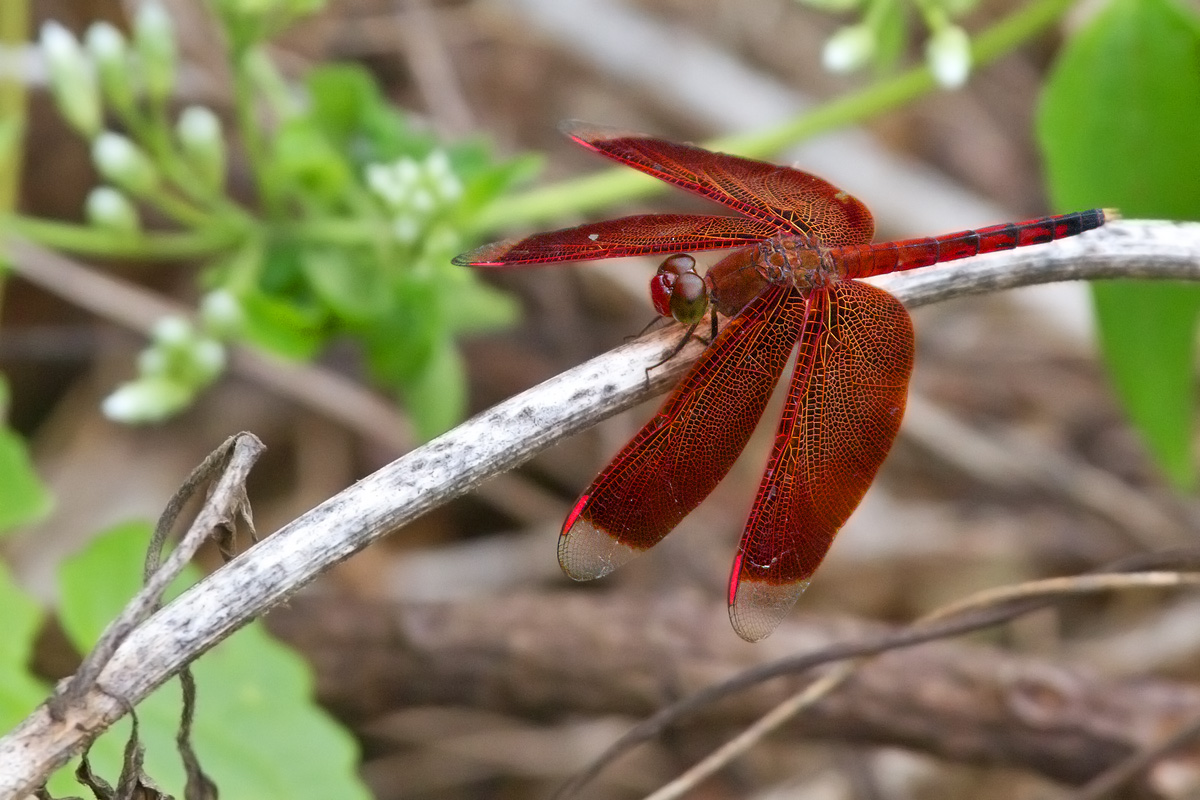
(861, 261)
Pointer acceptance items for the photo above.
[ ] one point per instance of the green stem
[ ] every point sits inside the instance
(619, 185)
(107, 244)
(14, 31)
(157, 139)
(178, 208)
(248, 128)
(345, 232)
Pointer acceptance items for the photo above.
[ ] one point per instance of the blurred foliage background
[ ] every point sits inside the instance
(245, 212)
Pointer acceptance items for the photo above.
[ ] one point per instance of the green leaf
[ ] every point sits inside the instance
(470, 305)
(399, 345)
(1118, 127)
(23, 496)
(347, 105)
(96, 583)
(483, 184)
(20, 619)
(282, 326)
(304, 157)
(436, 397)
(350, 282)
(257, 732)
(478, 308)
(1157, 388)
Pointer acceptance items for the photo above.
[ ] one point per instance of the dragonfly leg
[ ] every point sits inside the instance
(646, 329)
(674, 350)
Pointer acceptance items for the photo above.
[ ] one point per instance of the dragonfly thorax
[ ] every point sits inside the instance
(787, 259)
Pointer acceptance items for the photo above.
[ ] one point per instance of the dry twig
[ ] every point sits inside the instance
(975, 613)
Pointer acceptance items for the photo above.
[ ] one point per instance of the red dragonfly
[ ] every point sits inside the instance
(790, 285)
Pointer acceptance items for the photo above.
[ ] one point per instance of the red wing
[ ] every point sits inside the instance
(627, 236)
(680, 455)
(842, 412)
(787, 198)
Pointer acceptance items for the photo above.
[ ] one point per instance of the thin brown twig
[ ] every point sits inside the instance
(432, 68)
(628, 653)
(976, 612)
(1014, 460)
(1058, 588)
(830, 681)
(1108, 783)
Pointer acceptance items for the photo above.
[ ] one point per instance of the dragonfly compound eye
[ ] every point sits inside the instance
(689, 298)
(663, 284)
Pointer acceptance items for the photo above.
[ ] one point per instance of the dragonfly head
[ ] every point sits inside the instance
(678, 291)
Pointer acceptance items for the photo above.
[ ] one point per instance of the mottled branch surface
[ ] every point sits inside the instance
(577, 653)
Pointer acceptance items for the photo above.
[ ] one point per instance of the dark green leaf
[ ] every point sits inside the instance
(1157, 388)
(342, 95)
(472, 306)
(1118, 125)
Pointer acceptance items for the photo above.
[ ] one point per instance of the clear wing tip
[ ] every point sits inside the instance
(586, 552)
(758, 607)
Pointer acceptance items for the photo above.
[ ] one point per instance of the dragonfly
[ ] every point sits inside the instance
(791, 285)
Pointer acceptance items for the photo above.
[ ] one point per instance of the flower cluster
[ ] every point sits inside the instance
(109, 72)
(181, 360)
(414, 192)
(356, 215)
(947, 51)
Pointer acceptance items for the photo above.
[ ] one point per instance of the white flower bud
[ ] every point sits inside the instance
(421, 201)
(849, 49)
(221, 312)
(153, 360)
(106, 43)
(123, 163)
(408, 174)
(154, 39)
(173, 331)
(437, 164)
(110, 51)
(145, 400)
(948, 54)
(199, 132)
(72, 79)
(108, 208)
(381, 179)
(208, 359)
